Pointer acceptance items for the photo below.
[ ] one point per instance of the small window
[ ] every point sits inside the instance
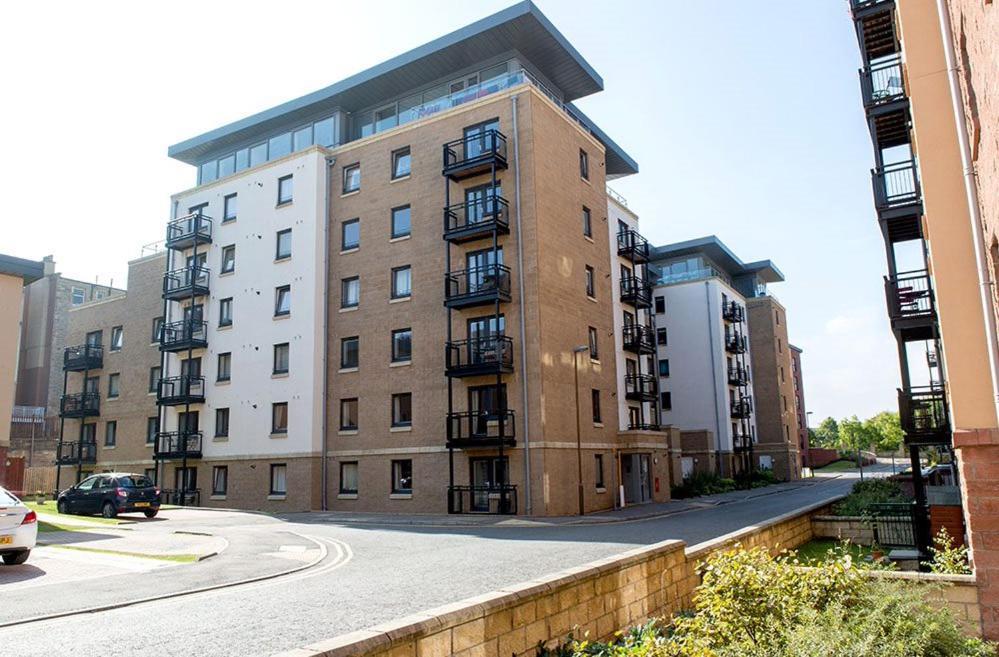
(351, 178)
(660, 305)
(111, 433)
(590, 283)
(584, 165)
(282, 300)
(401, 163)
(225, 367)
(350, 235)
(78, 295)
(401, 225)
(587, 222)
(152, 428)
(594, 350)
(348, 414)
(666, 401)
(402, 345)
(229, 208)
(348, 477)
(221, 422)
(598, 465)
(117, 338)
(285, 190)
(114, 385)
(225, 312)
(662, 336)
(281, 355)
(283, 244)
(402, 409)
(279, 417)
(350, 292)
(220, 479)
(157, 329)
(228, 259)
(154, 378)
(595, 402)
(664, 367)
(349, 353)
(401, 282)
(279, 483)
(402, 476)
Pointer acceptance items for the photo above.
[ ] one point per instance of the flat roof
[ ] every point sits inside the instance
(29, 270)
(716, 250)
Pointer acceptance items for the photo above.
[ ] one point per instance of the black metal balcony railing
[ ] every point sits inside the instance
(643, 426)
(633, 246)
(639, 339)
(189, 497)
(481, 428)
(738, 375)
(183, 335)
(909, 295)
(636, 291)
(476, 286)
(733, 312)
(475, 154)
(186, 282)
(882, 83)
(742, 442)
(863, 4)
(742, 408)
(735, 343)
(493, 498)
(175, 390)
(83, 357)
(476, 219)
(71, 453)
(187, 231)
(80, 404)
(640, 387)
(924, 416)
(492, 354)
(896, 185)
(178, 444)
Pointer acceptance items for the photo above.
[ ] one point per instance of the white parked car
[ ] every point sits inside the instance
(18, 529)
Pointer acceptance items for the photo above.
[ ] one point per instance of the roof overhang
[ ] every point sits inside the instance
(29, 270)
(721, 255)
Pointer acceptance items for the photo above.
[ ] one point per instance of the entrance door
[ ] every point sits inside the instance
(478, 139)
(635, 472)
(644, 475)
(486, 474)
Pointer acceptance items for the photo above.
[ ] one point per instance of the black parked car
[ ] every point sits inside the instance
(111, 493)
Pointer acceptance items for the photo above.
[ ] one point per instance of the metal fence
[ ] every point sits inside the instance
(894, 525)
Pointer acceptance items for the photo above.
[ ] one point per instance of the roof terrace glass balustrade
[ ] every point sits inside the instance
(631, 245)
(477, 286)
(80, 404)
(476, 218)
(481, 429)
(491, 354)
(186, 282)
(701, 273)
(177, 390)
(178, 445)
(185, 232)
(640, 387)
(183, 335)
(83, 357)
(924, 415)
(73, 452)
(638, 339)
(636, 291)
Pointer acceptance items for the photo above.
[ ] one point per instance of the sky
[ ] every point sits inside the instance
(745, 119)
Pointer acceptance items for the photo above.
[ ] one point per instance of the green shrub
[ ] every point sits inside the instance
(702, 483)
(948, 559)
(867, 492)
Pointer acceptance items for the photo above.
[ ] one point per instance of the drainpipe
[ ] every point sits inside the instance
(323, 441)
(714, 372)
(981, 262)
(528, 507)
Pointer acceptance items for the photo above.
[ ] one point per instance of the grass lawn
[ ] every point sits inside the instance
(818, 549)
(839, 466)
(50, 508)
(177, 558)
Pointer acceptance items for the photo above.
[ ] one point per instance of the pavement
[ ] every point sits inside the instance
(366, 572)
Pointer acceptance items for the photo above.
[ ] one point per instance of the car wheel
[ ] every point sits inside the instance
(108, 510)
(62, 507)
(151, 513)
(16, 558)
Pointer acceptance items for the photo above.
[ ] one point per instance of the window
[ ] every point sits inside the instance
(594, 352)
(279, 483)
(664, 367)
(225, 312)
(279, 417)
(349, 353)
(401, 163)
(89, 434)
(117, 338)
(348, 414)
(587, 222)
(590, 285)
(220, 479)
(348, 477)
(777, 317)
(598, 466)
(350, 292)
(282, 248)
(228, 259)
(595, 402)
(660, 305)
(302, 138)
(111, 433)
(402, 409)
(114, 385)
(350, 235)
(666, 401)
(221, 422)
(662, 336)
(279, 146)
(402, 476)
(77, 296)
(229, 208)
(285, 190)
(154, 378)
(402, 345)
(351, 178)
(401, 225)
(157, 329)
(152, 428)
(401, 282)
(584, 165)
(282, 300)
(225, 367)
(281, 355)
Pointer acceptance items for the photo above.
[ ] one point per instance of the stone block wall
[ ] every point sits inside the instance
(840, 528)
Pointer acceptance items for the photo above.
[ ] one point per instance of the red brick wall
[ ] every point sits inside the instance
(951, 517)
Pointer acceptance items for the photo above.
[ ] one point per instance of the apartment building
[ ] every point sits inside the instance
(799, 395)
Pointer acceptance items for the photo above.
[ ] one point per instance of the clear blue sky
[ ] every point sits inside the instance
(744, 117)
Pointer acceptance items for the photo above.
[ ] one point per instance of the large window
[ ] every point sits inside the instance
(401, 222)
(225, 312)
(279, 417)
(279, 481)
(225, 367)
(228, 259)
(666, 401)
(348, 414)
(348, 477)
(402, 476)
(594, 347)
(77, 296)
(402, 409)
(229, 209)
(402, 345)
(281, 356)
(350, 292)
(117, 338)
(221, 422)
(282, 247)
(286, 189)
(349, 353)
(402, 282)
(401, 162)
(111, 433)
(114, 385)
(350, 235)
(220, 479)
(351, 178)
(282, 300)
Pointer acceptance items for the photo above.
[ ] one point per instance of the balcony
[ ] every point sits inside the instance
(742, 408)
(474, 154)
(477, 219)
(185, 232)
(735, 343)
(178, 445)
(924, 416)
(733, 312)
(178, 390)
(911, 306)
(638, 339)
(738, 376)
(72, 453)
(183, 335)
(472, 429)
(882, 85)
(643, 426)
(633, 246)
(80, 404)
(497, 499)
(477, 286)
(640, 387)
(185, 283)
(479, 356)
(83, 357)
(636, 291)
(742, 442)
(875, 27)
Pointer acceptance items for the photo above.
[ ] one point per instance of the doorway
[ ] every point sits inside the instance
(636, 478)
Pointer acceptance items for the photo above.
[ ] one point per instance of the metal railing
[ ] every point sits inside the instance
(742, 408)
(639, 338)
(894, 525)
(190, 228)
(493, 498)
(909, 295)
(735, 343)
(631, 244)
(477, 281)
(190, 280)
(184, 333)
(83, 357)
(79, 404)
(896, 184)
(882, 82)
(733, 312)
(177, 444)
(486, 213)
(640, 387)
(923, 412)
(492, 352)
(643, 426)
(636, 290)
(189, 497)
(481, 426)
(181, 388)
(738, 375)
(76, 452)
(478, 147)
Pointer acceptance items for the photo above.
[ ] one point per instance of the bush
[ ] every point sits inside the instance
(702, 483)
(948, 559)
(867, 492)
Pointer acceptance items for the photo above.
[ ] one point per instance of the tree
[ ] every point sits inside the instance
(886, 431)
(827, 435)
(855, 436)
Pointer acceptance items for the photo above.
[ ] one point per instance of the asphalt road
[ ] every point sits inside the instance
(371, 574)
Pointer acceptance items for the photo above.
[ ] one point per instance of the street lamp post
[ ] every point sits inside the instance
(579, 440)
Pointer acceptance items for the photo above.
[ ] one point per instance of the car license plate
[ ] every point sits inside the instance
(139, 505)
(6, 540)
